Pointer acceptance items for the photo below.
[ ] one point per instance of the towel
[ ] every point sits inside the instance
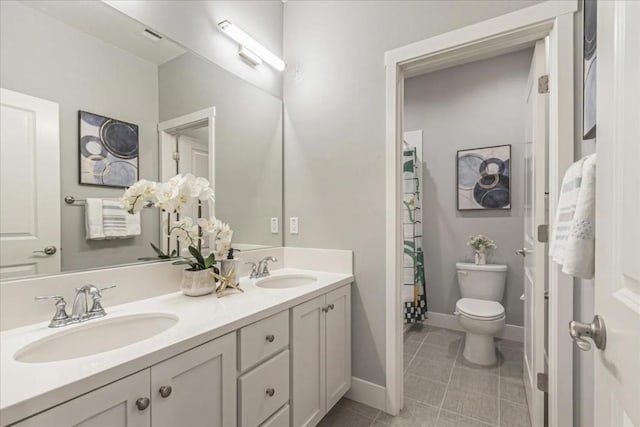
(573, 244)
(105, 219)
(93, 219)
(116, 222)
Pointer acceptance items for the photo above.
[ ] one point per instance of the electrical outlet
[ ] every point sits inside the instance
(293, 225)
(274, 225)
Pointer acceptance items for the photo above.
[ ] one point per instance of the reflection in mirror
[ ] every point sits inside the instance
(59, 58)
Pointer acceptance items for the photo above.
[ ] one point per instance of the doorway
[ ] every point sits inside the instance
(487, 39)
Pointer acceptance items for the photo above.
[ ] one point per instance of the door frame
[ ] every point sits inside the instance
(500, 35)
(167, 146)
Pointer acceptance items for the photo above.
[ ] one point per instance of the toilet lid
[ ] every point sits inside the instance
(480, 309)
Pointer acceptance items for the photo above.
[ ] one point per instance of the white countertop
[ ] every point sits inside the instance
(28, 388)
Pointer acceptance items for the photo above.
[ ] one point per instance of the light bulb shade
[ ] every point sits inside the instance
(248, 42)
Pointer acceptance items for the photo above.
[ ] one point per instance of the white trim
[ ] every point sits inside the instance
(450, 321)
(367, 393)
(485, 39)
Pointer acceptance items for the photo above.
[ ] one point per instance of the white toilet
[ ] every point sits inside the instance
(479, 310)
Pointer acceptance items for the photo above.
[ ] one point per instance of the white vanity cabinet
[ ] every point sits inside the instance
(202, 392)
(113, 405)
(321, 355)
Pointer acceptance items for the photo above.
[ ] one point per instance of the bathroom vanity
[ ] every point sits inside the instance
(278, 354)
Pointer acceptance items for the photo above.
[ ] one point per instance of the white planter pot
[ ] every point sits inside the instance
(197, 283)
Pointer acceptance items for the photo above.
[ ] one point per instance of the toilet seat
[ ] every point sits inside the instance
(479, 309)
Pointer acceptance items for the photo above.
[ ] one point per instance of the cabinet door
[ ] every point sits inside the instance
(113, 405)
(308, 363)
(338, 348)
(203, 386)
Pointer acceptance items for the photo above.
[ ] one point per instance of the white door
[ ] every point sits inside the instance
(124, 403)
(617, 280)
(198, 387)
(194, 159)
(338, 347)
(534, 252)
(308, 360)
(29, 186)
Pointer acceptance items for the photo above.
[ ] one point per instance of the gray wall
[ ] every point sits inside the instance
(334, 135)
(45, 58)
(248, 144)
(194, 24)
(473, 105)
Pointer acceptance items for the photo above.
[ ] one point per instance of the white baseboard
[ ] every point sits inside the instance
(368, 393)
(449, 321)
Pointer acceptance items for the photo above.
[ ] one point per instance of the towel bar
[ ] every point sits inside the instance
(70, 200)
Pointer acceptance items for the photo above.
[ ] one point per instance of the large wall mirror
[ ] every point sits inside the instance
(115, 76)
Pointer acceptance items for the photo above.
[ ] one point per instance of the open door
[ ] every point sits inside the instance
(30, 186)
(535, 250)
(617, 277)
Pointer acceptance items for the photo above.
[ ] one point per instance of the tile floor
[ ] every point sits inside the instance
(442, 389)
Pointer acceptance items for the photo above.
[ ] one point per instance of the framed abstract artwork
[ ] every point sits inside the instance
(483, 178)
(108, 151)
(589, 58)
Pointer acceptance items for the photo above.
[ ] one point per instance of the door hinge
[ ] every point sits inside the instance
(542, 382)
(543, 84)
(176, 156)
(543, 233)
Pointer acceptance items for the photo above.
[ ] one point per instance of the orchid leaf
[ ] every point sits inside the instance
(196, 254)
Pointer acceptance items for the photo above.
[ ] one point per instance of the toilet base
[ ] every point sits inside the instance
(480, 349)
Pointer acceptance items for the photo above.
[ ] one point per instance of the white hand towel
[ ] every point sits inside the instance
(579, 259)
(566, 210)
(114, 219)
(573, 244)
(93, 219)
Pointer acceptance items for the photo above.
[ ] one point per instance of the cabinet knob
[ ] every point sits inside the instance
(165, 391)
(142, 403)
(270, 337)
(330, 307)
(271, 392)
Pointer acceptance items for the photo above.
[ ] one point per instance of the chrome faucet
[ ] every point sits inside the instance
(80, 311)
(262, 268)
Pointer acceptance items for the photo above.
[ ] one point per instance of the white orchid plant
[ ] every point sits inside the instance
(481, 243)
(175, 197)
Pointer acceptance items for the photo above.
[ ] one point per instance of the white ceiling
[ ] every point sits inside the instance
(103, 22)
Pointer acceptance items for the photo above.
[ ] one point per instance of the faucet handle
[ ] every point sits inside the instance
(254, 270)
(61, 317)
(96, 296)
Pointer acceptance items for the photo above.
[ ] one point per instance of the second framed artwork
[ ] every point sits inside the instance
(108, 151)
(483, 178)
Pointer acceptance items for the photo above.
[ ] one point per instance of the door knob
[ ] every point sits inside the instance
(522, 252)
(48, 250)
(594, 330)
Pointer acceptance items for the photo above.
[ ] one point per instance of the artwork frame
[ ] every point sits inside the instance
(483, 178)
(589, 68)
(108, 151)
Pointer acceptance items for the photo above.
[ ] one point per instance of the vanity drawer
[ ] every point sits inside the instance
(279, 419)
(263, 390)
(262, 339)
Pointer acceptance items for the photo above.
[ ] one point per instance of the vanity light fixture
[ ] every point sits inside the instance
(250, 49)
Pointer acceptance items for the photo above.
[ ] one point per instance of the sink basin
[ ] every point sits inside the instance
(286, 281)
(95, 336)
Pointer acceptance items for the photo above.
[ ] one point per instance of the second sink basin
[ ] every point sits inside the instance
(286, 281)
(95, 336)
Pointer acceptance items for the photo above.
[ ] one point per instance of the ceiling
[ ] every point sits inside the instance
(109, 25)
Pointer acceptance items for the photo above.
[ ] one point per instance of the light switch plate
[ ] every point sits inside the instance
(293, 225)
(274, 225)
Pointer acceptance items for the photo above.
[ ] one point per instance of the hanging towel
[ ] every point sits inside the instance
(93, 219)
(573, 244)
(116, 222)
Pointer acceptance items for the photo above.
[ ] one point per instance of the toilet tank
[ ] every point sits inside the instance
(485, 281)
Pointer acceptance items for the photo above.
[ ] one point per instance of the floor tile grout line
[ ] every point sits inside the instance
(446, 389)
